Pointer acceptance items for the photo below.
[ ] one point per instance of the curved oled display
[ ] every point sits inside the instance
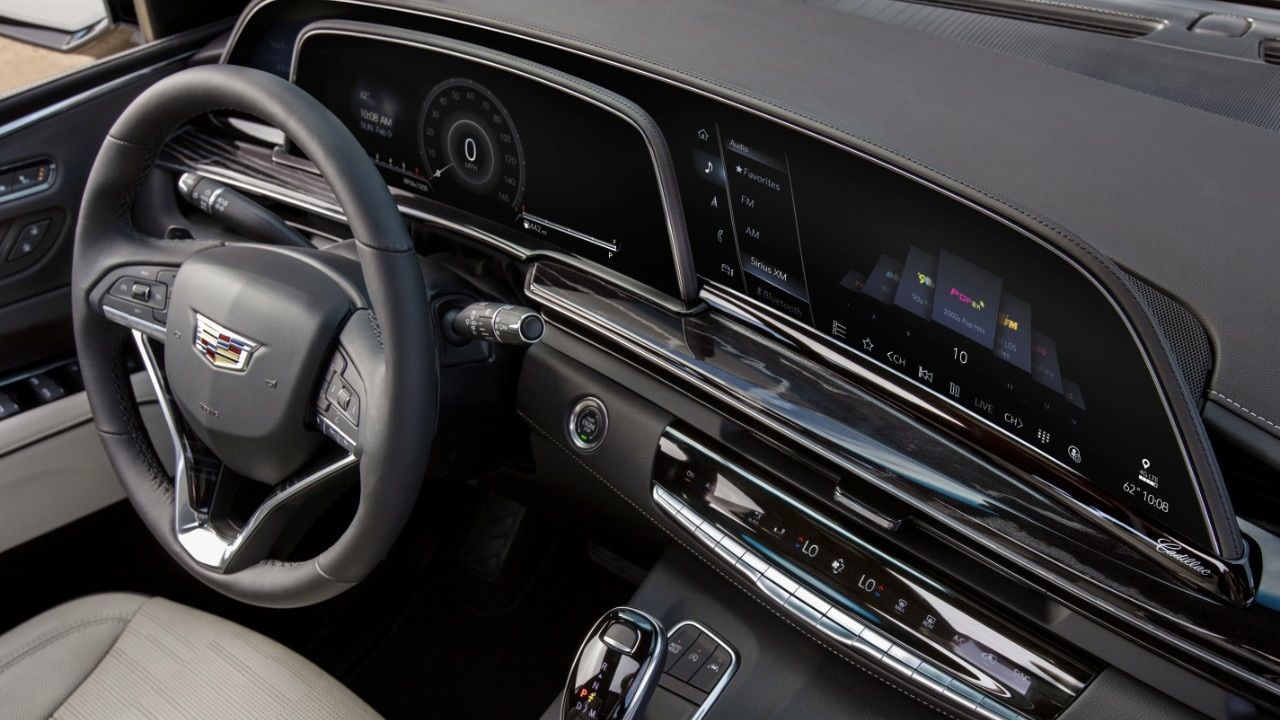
(498, 144)
(976, 312)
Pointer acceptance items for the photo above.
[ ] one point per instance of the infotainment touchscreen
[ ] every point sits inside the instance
(957, 302)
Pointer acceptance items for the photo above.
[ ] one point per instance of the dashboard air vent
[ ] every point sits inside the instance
(1076, 17)
(1270, 51)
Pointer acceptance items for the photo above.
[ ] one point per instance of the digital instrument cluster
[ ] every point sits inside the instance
(559, 171)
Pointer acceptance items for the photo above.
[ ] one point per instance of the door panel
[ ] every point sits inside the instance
(52, 466)
(65, 143)
(53, 469)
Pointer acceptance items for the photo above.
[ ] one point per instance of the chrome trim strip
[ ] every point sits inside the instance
(61, 106)
(655, 664)
(335, 433)
(161, 388)
(215, 550)
(725, 677)
(205, 544)
(655, 142)
(1143, 351)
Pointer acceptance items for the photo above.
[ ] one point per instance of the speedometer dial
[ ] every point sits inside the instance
(471, 148)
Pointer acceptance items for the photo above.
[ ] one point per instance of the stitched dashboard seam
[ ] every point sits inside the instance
(1244, 409)
(732, 580)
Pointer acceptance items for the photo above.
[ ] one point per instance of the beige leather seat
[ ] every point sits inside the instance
(129, 656)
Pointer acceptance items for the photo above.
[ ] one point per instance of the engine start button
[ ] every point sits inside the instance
(588, 422)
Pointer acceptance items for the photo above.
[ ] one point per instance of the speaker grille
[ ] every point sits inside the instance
(1183, 331)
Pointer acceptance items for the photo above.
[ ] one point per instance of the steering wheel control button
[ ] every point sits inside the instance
(138, 297)
(588, 423)
(341, 394)
(332, 432)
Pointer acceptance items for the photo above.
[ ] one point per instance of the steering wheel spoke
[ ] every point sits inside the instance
(211, 517)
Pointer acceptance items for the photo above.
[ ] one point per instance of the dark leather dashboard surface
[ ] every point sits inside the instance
(1181, 197)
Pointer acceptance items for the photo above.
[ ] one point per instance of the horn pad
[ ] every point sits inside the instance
(249, 330)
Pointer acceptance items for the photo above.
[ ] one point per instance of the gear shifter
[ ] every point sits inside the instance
(617, 668)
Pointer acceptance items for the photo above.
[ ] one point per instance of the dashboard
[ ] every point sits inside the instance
(933, 356)
(966, 308)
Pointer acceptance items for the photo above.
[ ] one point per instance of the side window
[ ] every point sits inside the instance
(44, 39)
(40, 39)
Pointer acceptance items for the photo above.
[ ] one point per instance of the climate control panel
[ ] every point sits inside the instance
(863, 601)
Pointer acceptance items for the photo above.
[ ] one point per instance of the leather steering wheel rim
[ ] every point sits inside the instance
(399, 415)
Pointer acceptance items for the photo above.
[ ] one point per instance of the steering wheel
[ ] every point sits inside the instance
(282, 373)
